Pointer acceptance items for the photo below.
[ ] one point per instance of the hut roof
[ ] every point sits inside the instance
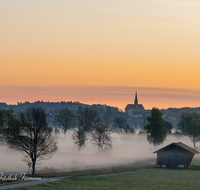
(180, 144)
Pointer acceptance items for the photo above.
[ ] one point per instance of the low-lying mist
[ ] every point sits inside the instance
(126, 149)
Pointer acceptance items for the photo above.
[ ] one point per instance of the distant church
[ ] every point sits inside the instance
(137, 110)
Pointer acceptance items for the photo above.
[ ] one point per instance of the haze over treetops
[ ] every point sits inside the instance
(101, 51)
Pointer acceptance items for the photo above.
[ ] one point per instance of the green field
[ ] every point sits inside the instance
(141, 176)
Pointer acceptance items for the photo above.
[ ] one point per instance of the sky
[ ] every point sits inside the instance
(101, 51)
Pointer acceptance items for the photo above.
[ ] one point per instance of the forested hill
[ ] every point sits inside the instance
(76, 107)
(53, 108)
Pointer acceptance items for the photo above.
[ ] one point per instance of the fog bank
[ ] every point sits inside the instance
(126, 149)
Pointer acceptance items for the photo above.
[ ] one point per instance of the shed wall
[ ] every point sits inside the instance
(173, 156)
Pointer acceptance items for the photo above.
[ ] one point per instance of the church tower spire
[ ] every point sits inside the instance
(136, 100)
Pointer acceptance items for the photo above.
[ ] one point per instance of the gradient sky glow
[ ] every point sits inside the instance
(98, 46)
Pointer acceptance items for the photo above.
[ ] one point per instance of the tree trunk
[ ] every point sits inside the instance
(194, 144)
(33, 166)
(64, 135)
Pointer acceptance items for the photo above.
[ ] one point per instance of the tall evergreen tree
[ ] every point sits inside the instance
(156, 128)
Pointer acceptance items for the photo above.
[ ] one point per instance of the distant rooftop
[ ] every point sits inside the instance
(132, 106)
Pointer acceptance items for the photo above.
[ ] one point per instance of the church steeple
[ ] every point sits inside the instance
(136, 100)
(133, 109)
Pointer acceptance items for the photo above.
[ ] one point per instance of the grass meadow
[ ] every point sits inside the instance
(137, 176)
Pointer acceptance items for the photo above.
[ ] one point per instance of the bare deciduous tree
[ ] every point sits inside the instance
(35, 139)
(79, 137)
(101, 138)
(189, 125)
(88, 119)
(65, 119)
(120, 125)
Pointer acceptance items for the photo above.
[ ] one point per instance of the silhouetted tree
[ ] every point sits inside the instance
(144, 122)
(65, 119)
(169, 126)
(9, 125)
(35, 139)
(79, 138)
(108, 111)
(120, 125)
(88, 119)
(101, 138)
(107, 120)
(189, 125)
(132, 130)
(80, 109)
(156, 129)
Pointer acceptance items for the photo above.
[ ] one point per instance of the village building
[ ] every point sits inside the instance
(175, 154)
(137, 110)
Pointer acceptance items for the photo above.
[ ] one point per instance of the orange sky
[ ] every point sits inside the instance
(93, 43)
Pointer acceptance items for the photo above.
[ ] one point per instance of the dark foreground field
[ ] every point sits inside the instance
(141, 176)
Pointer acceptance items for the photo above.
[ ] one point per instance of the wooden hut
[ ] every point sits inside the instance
(175, 154)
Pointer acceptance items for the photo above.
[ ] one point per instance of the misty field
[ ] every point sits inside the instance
(126, 149)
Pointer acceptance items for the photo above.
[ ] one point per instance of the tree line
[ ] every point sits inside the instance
(89, 121)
